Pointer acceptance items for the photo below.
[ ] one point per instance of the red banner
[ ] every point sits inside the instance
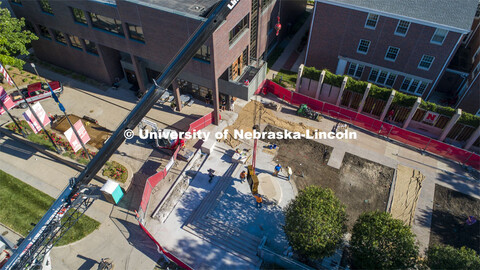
(72, 138)
(6, 99)
(32, 121)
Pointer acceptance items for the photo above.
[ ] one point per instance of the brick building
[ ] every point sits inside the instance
(405, 45)
(108, 40)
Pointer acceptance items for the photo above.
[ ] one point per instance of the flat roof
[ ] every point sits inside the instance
(456, 14)
(198, 8)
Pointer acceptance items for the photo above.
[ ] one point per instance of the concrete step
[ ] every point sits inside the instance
(245, 236)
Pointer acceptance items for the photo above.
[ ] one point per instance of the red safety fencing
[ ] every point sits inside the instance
(371, 124)
(167, 254)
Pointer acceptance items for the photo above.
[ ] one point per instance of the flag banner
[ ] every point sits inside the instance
(73, 140)
(6, 99)
(5, 75)
(32, 121)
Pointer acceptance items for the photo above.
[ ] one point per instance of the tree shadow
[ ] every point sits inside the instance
(87, 264)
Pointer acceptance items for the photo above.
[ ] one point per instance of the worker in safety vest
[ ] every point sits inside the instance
(243, 175)
(258, 199)
(277, 169)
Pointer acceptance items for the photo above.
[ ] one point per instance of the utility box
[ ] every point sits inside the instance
(112, 192)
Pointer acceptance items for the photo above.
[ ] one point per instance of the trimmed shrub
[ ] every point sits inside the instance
(404, 100)
(356, 86)
(379, 92)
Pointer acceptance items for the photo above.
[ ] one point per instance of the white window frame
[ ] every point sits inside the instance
(434, 34)
(357, 66)
(422, 60)
(398, 25)
(396, 55)
(360, 43)
(368, 18)
(379, 71)
(415, 92)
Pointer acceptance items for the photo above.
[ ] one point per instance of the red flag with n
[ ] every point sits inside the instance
(4, 72)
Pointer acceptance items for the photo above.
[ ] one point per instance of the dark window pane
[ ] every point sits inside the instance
(78, 15)
(76, 43)
(107, 23)
(203, 53)
(135, 32)
(44, 32)
(234, 33)
(45, 6)
(60, 37)
(91, 47)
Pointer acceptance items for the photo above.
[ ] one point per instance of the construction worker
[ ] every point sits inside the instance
(258, 199)
(211, 174)
(243, 175)
(277, 169)
(289, 172)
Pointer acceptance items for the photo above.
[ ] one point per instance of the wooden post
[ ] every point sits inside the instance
(365, 95)
(342, 88)
(450, 125)
(320, 84)
(389, 102)
(412, 112)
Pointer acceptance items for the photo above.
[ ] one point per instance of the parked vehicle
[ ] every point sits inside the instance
(36, 92)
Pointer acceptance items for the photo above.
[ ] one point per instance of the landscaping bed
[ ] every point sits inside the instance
(450, 212)
(362, 185)
(23, 206)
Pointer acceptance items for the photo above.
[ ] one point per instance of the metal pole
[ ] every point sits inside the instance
(65, 113)
(13, 119)
(35, 115)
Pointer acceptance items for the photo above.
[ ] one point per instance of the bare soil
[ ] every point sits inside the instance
(362, 185)
(450, 212)
(98, 134)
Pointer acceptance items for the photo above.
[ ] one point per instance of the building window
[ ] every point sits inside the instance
(426, 62)
(135, 32)
(29, 27)
(17, 2)
(203, 53)
(382, 77)
(439, 36)
(363, 46)
(75, 41)
(355, 70)
(44, 32)
(45, 6)
(372, 20)
(60, 37)
(235, 32)
(413, 86)
(106, 23)
(402, 28)
(392, 53)
(91, 47)
(78, 15)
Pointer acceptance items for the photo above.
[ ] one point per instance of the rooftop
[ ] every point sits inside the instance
(451, 13)
(189, 7)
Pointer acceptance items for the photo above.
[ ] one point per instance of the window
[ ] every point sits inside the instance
(382, 77)
(392, 53)
(29, 27)
(235, 32)
(135, 32)
(426, 62)
(371, 21)
(355, 70)
(439, 36)
(106, 23)
(413, 86)
(363, 46)
(75, 41)
(203, 53)
(45, 6)
(91, 47)
(17, 2)
(78, 15)
(44, 32)
(60, 37)
(402, 28)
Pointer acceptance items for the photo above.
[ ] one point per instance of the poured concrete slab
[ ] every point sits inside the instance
(336, 158)
(269, 187)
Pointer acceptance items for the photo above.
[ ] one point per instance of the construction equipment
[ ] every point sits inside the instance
(52, 226)
(306, 112)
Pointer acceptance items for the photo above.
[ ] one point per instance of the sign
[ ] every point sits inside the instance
(431, 117)
(72, 138)
(6, 99)
(32, 121)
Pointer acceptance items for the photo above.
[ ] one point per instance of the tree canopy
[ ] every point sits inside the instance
(315, 222)
(13, 39)
(448, 257)
(382, 242)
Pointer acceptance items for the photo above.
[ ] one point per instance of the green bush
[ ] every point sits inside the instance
(448, 257)
(405, 100)
(379, 92)
(430, 106)
(469, 119)
(311, 73)
(330, 78)
(356, 86)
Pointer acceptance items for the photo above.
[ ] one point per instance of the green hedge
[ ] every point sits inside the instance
(356, 86)
(405, 100)
(430, 106)
(380, 92)
(469, 119)
(311, 73)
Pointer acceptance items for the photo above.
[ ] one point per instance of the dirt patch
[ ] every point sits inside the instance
(97, 133)
(362, 185)
(255, 112)
(450, 212)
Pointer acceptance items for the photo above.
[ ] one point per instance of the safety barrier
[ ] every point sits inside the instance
(153, 180)
(416, 140)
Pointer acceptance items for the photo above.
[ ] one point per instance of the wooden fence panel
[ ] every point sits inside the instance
(460, 132)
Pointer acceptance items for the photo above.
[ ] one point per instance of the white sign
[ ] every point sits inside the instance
(32, 121)
(72, 138)
(431, 117)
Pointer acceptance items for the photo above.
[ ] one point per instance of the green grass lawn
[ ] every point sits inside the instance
(286, 78)
(22, 205)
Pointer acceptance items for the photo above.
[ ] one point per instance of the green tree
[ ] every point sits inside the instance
(13, 39)
(315, 222)
(448, 257)
(382, 242)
